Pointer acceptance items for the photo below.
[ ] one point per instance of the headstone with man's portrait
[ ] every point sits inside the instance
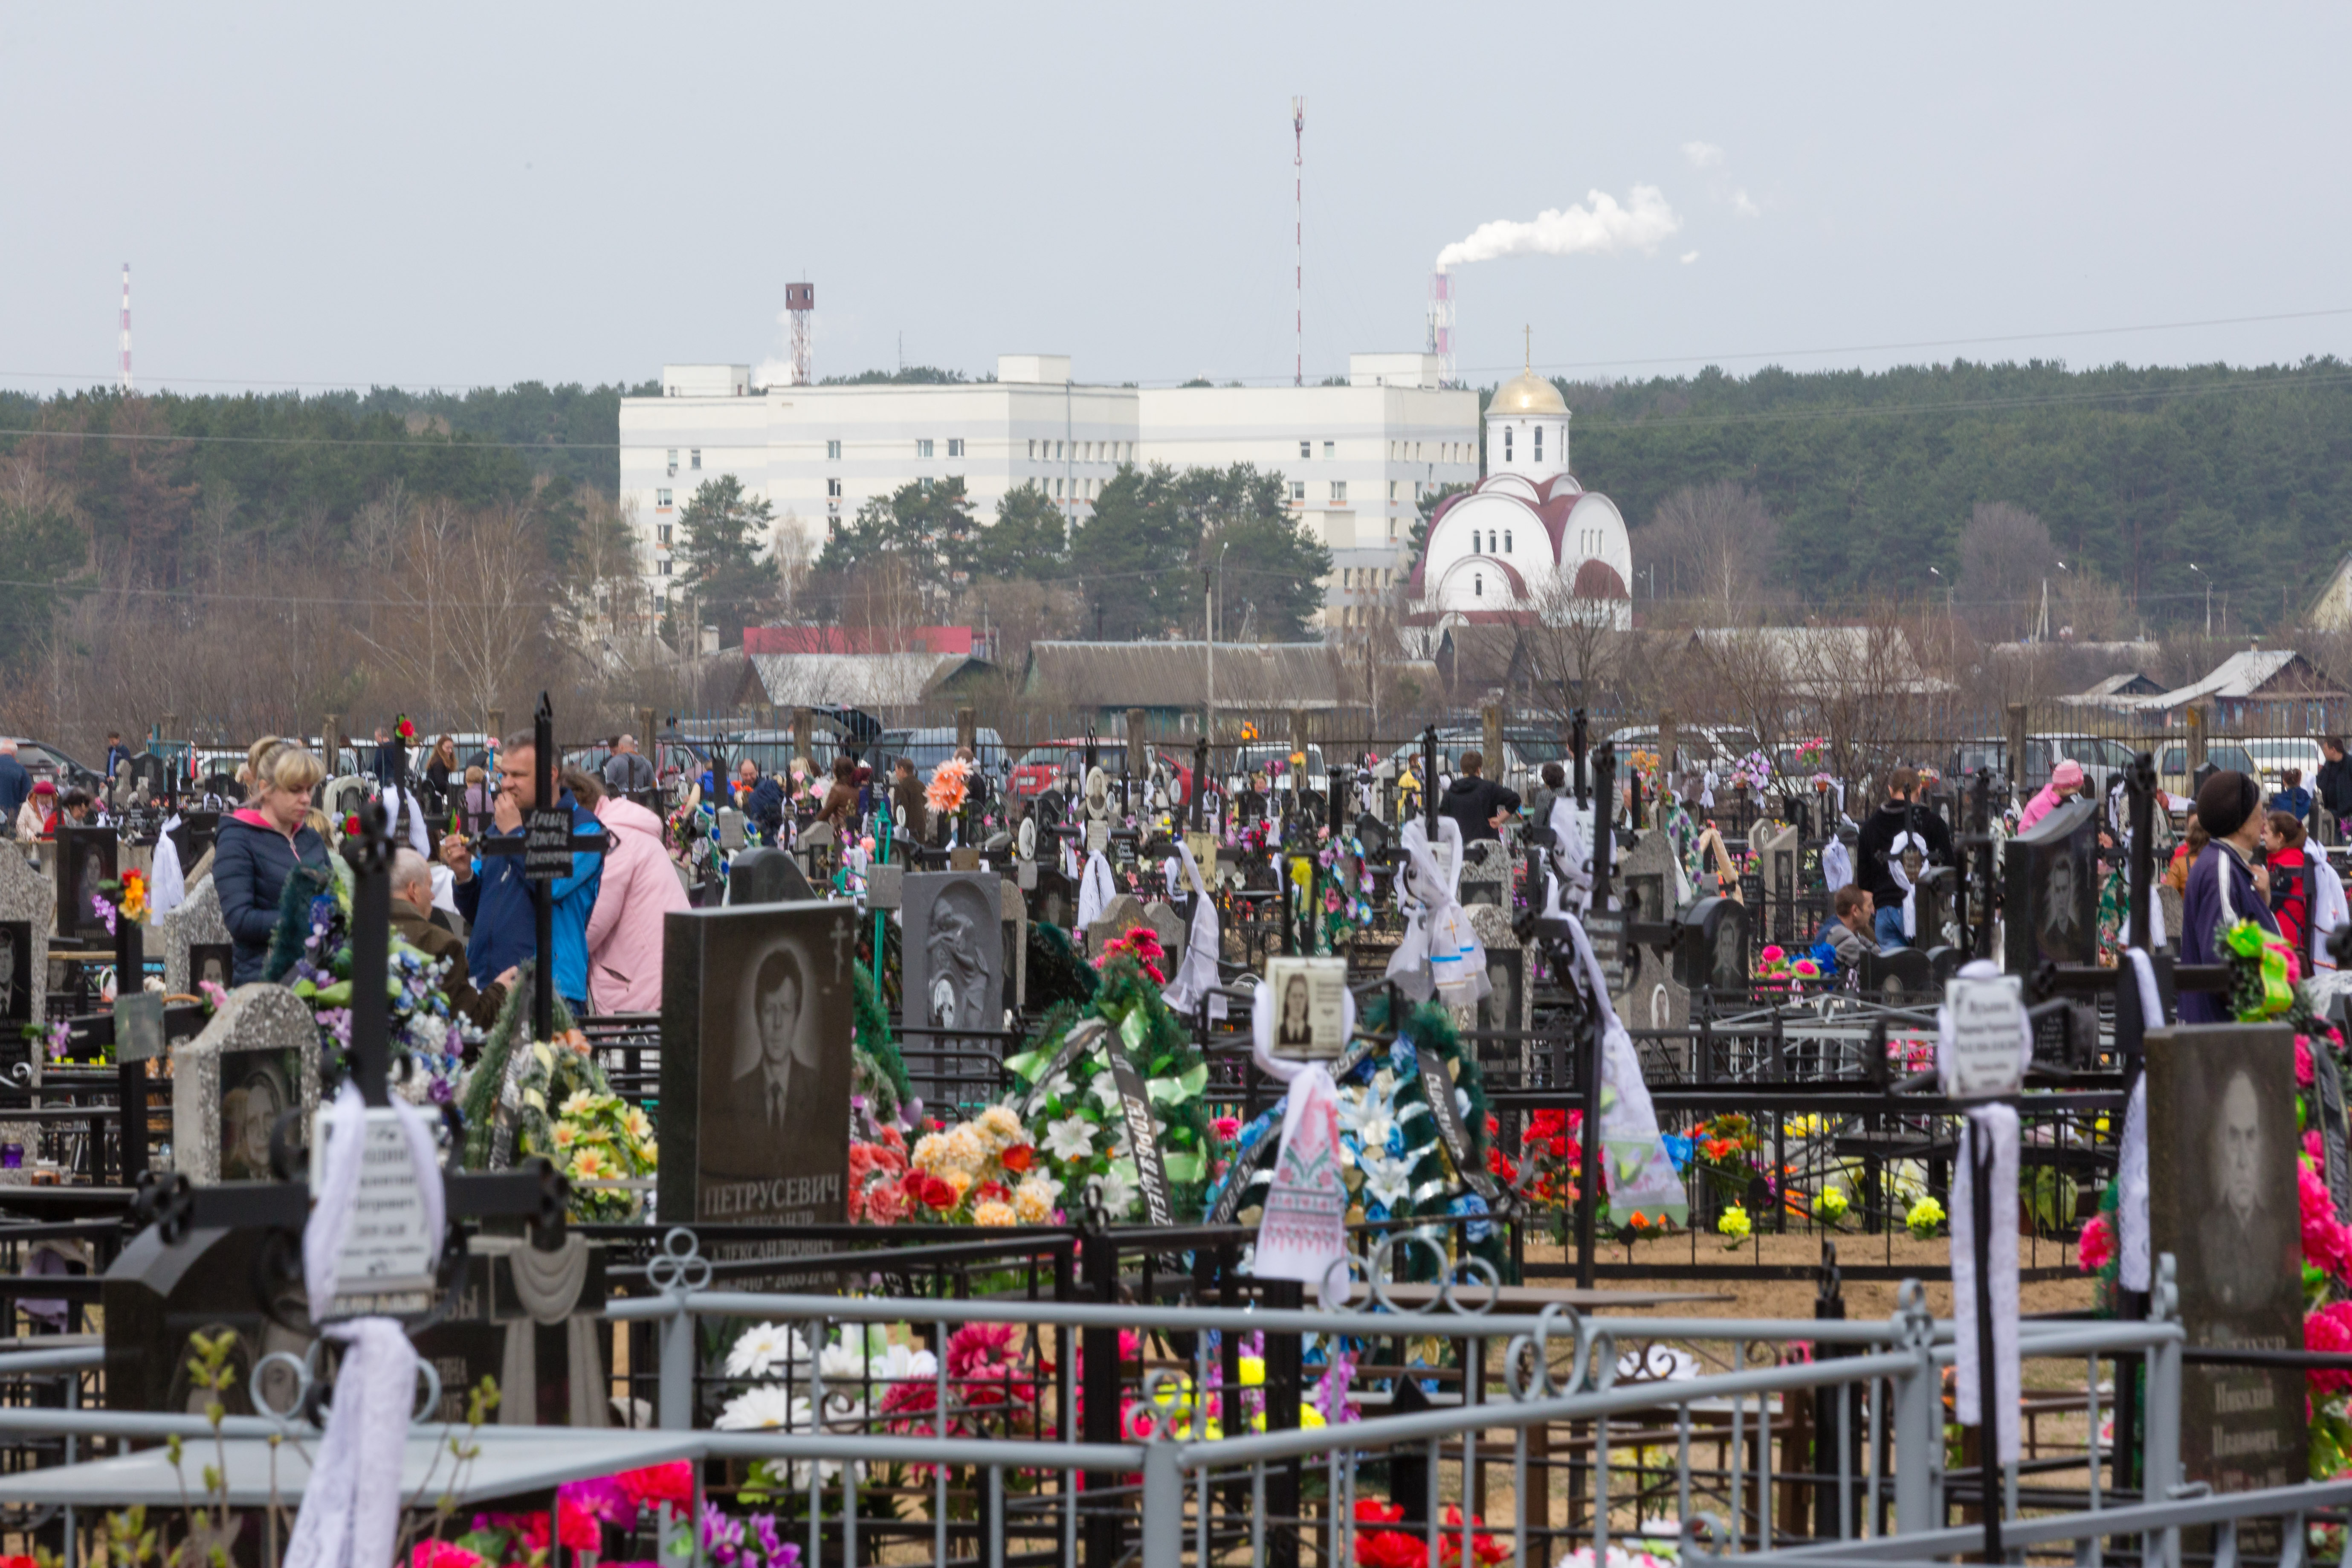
(26, 906)
(2051, 879)
(758, 1027)
(257, 1060)
(86, 862)
(2222, 1202)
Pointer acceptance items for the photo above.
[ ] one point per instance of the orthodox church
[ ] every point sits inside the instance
(1493, 549)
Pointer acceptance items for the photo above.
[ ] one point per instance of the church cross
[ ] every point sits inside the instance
(1529, 357)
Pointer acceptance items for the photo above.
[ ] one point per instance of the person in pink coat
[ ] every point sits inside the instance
(640, 886)
(2065, 780)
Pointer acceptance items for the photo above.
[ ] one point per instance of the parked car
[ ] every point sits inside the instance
(2172, 768)
(2102, 760)
(1040, 768)
(1525, 749)
(44, 761)
(927, 749)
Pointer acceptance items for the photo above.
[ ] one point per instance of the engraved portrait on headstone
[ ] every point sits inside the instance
(17, 971)
(954, 950)
(85, 864)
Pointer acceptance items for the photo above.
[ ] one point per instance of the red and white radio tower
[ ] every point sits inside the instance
(126, 326)
(1298, 199)
(800, 302)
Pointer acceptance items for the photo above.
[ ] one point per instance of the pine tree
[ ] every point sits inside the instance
(722, 539)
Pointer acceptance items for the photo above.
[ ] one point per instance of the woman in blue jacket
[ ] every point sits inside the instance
(260, 846)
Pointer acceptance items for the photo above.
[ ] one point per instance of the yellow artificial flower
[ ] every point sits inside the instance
(960, 1180)
(593, 1166)
(578, 1104)
(637, 1125)
(566, 1135)
(1001, 1127)
(1253, 1371)
(991, 1212)
(1033, 1203)
(930, 1152)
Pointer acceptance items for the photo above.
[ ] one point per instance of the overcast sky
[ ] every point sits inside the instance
(479, 194)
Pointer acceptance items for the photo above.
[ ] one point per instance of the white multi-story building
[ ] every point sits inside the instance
(1356, 459)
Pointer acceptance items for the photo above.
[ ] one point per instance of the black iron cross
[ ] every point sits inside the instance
(546, 845)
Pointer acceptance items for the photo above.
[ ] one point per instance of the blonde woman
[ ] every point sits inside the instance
(260, 845)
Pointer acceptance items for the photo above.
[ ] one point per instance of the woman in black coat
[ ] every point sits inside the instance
(258, 848)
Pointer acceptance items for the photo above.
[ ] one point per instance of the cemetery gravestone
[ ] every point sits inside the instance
(2050, 875)
(85, 862)
(1713, 953)
(257, 1060)
(757, 1018)
(196, 924)
(1486, 873)
(156, 1294)
(1167, 923)
(1779, 861)
(767, 876)
(27, 905)
(1014, 916)
(953, 950)
(1122, 915)
(2223, 1098)
(192, 837)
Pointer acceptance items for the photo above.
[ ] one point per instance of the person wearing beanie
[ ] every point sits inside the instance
(38, 818)
(2065, 781)
(2222, 887)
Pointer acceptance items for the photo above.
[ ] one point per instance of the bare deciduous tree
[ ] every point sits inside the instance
(2006, 556)
(1714, 543)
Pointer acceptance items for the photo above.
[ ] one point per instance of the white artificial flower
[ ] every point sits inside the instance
(1387, 1181)
(1105, 1088)
(1058, 1086)
(1071, 1138)
(1371, 1118)
(1116, 1191)
(904, 1364)
(765, 1406)
(765, 1349)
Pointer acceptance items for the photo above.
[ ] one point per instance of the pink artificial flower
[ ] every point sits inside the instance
(2098, 1248)
(2327, 1243)
(2303, 1071)
(2329, 1329)
(1230, 1127)
(1771, 953)
(442, 1554)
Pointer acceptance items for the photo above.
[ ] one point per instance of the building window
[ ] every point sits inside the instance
(661, 535)
(664, 568)
(1298, 489)
(1058, 451)
(926, 483)
(1328, 448)
(1033, 452)
(1478, 584)
(1306, 449)
(923, 449)
(1339, 490)
(1393, 491)
(1058, 489)
(1507, 443)
(1539, 443)
(694, 459)
(661, 500)
(1507, 542)
(955, 445)
(832, 451)
(833, 488)
(672, 460)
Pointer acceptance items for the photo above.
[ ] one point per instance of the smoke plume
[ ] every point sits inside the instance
(1598, 228)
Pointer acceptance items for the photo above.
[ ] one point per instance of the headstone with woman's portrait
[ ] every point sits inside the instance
(1309, 998)
(85, 861)
(758, 1024)
(256, 1060)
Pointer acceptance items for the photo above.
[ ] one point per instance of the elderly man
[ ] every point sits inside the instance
(411, 922)
(497, 900)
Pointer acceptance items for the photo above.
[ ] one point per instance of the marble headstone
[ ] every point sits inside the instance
(26, 906)
(1485, 873)
(758, 1024)
(1014, 914)
(2221, 1099)
(197, 923)
(258, 1058)
(1123, 914)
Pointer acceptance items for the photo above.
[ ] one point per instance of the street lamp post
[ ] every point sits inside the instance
(2209, 595)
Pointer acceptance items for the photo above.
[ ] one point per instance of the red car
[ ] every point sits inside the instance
(1040, 767)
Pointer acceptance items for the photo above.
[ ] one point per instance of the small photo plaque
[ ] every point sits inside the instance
(1309, 998)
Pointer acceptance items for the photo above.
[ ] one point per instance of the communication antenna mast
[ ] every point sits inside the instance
(126, 327)
(800, 302)
(1298, 237)
(1441, 323)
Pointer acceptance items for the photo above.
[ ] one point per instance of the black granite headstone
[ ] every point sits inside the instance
(85, 863)
(767, 876)
(2222, 1201)
(2050, 875)
(758, 1024)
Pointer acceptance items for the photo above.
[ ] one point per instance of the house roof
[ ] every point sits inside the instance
(2123, 683)
(857, 639)
(858, 679)
(1819, 661)
(2249, 672)
(1115, 675)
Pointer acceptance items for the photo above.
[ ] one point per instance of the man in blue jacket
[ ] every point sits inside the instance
(16, 784)
(497, 901)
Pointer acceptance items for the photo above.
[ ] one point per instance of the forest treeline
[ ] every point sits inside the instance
(1868, 479)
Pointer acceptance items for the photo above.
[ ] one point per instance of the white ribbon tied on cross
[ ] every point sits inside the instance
(351, 1508)
(167, 887)
(1196, 973)
(1441, 954)
(1095, 888)
(1568, 864)
(1994, 1126)
(1904, 840)
(2131, 1161)
(1303, 1234)
(1642, 1178)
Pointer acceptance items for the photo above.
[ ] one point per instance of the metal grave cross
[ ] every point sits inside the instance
(546, 845)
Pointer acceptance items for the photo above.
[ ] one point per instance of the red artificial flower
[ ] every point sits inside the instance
(672, 1484)
(427, 1554)
(1018, 1157)
(351, 825)
(997, 1190)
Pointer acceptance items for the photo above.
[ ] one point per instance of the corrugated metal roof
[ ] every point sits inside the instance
(855, 680)
(2244, 674)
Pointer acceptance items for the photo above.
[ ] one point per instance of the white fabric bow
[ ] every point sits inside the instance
(167, 884)
(1568, 865)
(351, 1508)
(1906, 840)
(2131, 1161)
(1642, 1178)
(1441, 954)
(1095, 888)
